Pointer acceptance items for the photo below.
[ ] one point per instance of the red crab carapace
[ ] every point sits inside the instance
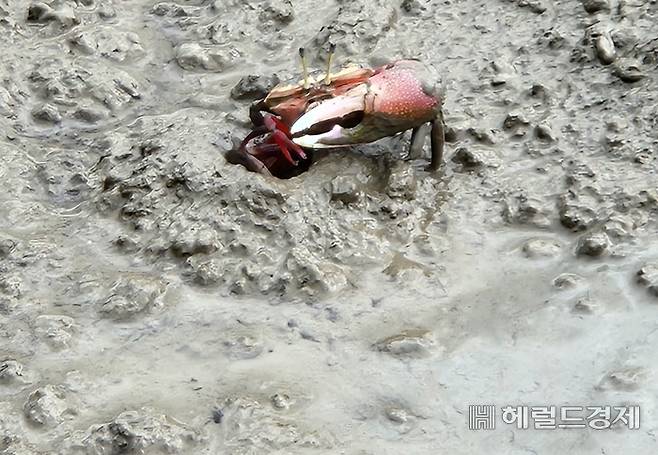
(354, 106)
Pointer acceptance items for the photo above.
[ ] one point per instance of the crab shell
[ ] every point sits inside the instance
(355, 106)
(394, 98)
(291, 101)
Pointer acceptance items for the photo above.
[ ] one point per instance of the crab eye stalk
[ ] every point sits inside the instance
(332, 51)
(302, 55)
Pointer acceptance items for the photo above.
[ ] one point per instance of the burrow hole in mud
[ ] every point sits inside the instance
(347, 121)
(279, 167)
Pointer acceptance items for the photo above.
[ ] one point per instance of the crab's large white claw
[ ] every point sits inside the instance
(336, 137)
(334, 109)
(396, 98)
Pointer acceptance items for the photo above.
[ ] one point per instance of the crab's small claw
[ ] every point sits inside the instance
(398, 97)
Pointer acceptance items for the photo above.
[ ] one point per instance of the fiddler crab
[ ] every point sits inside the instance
(354, 106)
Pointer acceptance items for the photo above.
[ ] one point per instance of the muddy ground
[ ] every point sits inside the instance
(155, 299)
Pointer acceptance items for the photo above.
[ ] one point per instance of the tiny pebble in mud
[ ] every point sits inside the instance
(253, 86)
(11, 285)
(217, 415)
(11, 372)
(624, 379)
(544, 133)
(204, 271)
(126, 244)
(629, 71)
(89, 115)
(412, 7)
(42, 12)
(594, 6)
(47, 113)
(397, 415)
(521, 209)
(192, 56)
(408, 343)
(47, 406)
(6, 247)
(401, 181)
(7, 305)
(143, 431)
(404, 268)
(648, 276)
(576, 217)
(308, 336)
(585, 306)
(253, 425)
(244, 347)
(536, 6)
(537, 248)
(281, 11)
(643, 157)
(567, 281)
(605, 49)
(345, 189)
(620, 227)
(576, 171)
(280, 401)
(593, 244)
(131, 295)
(171, 9)
(539, 91)
(55, 330)
(190, 239)
(106, 11)
(515, 121)
(39, 11)
(481, 135)
(452, 135)
(472, 157)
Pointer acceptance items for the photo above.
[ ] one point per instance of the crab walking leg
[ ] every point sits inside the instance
(438, 140)
(278, 132)
(284, 142)
(266, 150)
(256, 132)
(418, 135)
(284, 149)
(298, 150)
(249, 161)
(281, 137)
(255, 165)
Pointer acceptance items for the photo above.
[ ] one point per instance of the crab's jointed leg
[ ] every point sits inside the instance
(266, 123)
(398, 97)
(418, 135)
(438, 138)
(249, 161)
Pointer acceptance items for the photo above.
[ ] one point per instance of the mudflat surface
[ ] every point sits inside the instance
(155, 299)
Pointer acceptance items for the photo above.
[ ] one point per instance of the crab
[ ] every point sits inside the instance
(356, 105)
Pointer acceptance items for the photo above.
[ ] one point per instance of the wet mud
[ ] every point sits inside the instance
(157, 299)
